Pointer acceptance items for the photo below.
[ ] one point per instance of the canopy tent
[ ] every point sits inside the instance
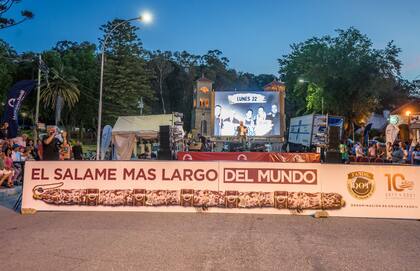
(128, 128)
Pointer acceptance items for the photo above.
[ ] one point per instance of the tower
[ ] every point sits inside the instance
(279, 87)
(202, 104)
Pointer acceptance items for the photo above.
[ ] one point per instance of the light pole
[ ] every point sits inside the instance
(146, 17)
(141, 106)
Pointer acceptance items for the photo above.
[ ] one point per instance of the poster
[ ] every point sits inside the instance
(258, 110)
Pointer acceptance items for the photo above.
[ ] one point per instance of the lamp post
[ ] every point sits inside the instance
(146, 17)
(141, 106)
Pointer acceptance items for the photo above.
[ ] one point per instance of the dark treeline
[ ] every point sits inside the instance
(165, 80)
(340, 74)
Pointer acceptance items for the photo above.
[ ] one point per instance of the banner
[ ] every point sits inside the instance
(228, 187)
(391, 133)
(283, 157)
(258, 110)
(14, 101)
(106, 140)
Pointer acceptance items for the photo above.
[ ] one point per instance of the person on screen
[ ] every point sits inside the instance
(261, 116)
(218, 122)
(249, 122)
(262, 125)
(274, 117)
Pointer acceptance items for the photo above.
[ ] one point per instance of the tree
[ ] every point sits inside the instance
(126, 77)
(345, 72)
(215, 66)
(5, 6)
(7, 68)
(81, 62)
(161, 63)
(58, 86)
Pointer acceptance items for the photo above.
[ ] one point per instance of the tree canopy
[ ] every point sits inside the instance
(5, 21)
(342, 74)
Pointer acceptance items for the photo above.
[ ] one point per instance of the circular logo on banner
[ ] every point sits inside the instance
(187, 157)
(11, 102)
(242, 157)
(360, 184)
(394, 119)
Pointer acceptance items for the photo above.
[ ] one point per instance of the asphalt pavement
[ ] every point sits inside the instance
(203, 241)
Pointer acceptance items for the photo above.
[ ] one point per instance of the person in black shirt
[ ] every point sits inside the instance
(50, 146)
(78, 151)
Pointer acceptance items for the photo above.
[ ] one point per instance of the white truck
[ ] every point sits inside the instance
(312, 130)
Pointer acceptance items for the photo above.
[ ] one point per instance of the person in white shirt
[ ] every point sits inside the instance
(359, 150)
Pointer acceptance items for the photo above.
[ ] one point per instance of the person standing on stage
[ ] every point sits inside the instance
(242, 132)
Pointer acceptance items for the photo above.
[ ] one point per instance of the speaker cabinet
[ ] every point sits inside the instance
(333, 137)
(333, 157)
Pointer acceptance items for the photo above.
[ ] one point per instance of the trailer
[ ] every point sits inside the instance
(313, 130)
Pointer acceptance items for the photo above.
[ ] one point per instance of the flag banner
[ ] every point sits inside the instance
(106, 140)
(15, 98)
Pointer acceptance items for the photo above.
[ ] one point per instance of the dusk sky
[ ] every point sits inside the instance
(252, 34)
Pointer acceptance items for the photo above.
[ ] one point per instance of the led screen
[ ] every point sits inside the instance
(258, 110)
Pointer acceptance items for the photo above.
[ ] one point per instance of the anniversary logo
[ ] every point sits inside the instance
(399, 187)
(360, 184)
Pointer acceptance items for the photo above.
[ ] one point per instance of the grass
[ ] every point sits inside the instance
(87, 148)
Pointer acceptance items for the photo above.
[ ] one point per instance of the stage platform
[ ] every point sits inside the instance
(281, 157)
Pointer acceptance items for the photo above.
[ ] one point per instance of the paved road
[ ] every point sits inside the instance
(202, 241)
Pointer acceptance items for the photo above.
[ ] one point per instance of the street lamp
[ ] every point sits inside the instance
(145, 17)
(140, 105)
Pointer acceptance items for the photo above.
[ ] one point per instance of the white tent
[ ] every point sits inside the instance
(128, 128)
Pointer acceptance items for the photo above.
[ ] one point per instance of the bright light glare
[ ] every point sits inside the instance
(146, 17)
(301, 81)
(407, 113)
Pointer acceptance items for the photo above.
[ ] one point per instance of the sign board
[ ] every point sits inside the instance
(258, 110)
(415, 121)
(230, 187)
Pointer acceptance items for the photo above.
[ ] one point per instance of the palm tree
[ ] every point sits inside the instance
(57, 86)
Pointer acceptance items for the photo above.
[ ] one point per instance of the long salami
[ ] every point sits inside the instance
(54, 194)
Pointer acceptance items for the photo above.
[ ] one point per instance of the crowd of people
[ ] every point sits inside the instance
(398, 153)
(54, 146)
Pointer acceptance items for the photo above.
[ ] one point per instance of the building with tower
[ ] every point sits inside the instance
(202, 104)
(279, 87)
